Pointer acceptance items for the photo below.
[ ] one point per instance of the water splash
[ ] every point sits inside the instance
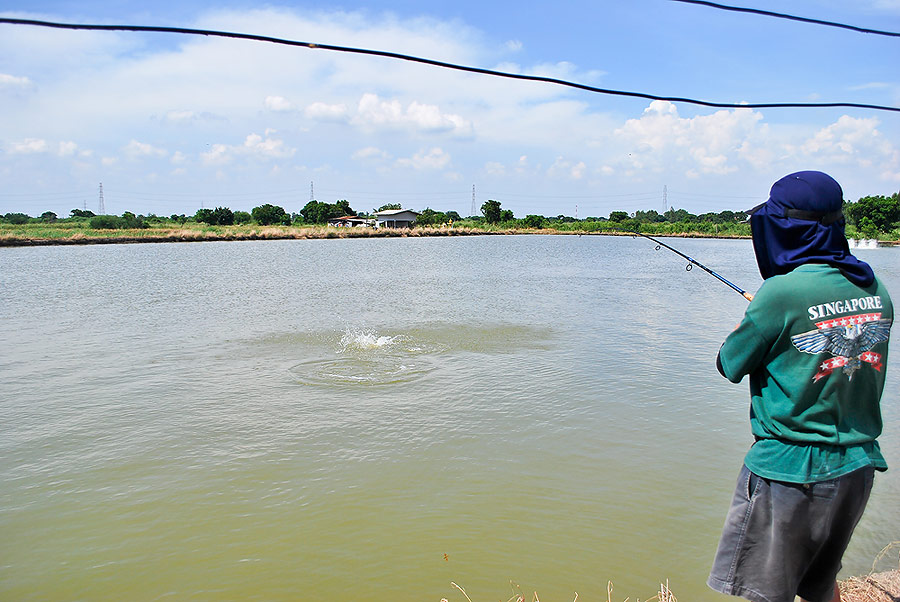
(366, 340)
(366, 357)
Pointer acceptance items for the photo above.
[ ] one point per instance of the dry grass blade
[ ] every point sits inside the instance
(462, 590)
(874, 587)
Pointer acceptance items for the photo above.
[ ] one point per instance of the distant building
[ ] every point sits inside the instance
(351, 221)
(395, 218)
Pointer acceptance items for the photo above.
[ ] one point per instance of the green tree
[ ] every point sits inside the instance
(180, 218)
(728, 217)
(315, 212)
(17, 218)
(881, 212)
(48, 216)
(679, 215)
(242, 217)
(491, 211)
(534, 221)
(81, 213)
(106, 222)
(130, 220)
(430, 217)
(223, 216)
(341, 208)
(652, 216)
(389, 207)
(205, 216)
(618, 216)
(266, 215)
(506, 215)
(867, 228)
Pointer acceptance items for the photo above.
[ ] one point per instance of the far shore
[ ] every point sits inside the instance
(165, 235)
(52, 236)
(293, 233)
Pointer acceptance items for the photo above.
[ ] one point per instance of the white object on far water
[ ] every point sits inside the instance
(863, 243)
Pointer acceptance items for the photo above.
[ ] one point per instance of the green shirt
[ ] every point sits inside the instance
(815, 347)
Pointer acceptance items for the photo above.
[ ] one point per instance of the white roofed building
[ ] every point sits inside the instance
(395, 218)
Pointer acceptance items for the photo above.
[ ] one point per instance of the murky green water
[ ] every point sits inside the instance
(373, 419)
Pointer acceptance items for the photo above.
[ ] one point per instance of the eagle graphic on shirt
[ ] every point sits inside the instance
(848, 339)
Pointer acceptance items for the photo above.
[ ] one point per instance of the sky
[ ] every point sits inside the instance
(171, 123)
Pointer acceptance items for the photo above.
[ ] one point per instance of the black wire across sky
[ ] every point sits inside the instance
(442, 64)
(769, 13)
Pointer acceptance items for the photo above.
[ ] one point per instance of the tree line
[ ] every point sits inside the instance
(870, 216)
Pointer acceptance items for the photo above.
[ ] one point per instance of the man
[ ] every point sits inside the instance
(814, 342)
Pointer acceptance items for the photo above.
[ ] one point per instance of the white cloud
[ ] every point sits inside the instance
(254, 146)
(847, 137)
(563, 168)
(370, 152)
(278, 104)
(704, 144)
(267, 147)
(180, 116)
(66, 149)
(374, 113)
(31, 146)
(12, 81)
(888, 5)
(513, 45)
(320, 111)
(854, 142)
(218, 154)
(135, 150)
(435, 158)
(28, 146)
(870, 86)
(494, 168)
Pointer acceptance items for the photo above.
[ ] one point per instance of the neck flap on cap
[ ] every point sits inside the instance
(802, 223)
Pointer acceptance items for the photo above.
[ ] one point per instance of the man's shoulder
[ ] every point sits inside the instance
(805, 278)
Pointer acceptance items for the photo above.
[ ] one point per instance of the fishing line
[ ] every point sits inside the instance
(443, 64)
(693, 262)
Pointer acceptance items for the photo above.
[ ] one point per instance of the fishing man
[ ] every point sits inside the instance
(814, 343)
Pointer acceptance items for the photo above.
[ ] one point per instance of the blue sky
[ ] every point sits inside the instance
(173, 123)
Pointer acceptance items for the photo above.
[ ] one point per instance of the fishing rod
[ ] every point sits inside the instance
(694, 262)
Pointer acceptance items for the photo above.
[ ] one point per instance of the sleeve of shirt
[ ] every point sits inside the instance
(743, 351)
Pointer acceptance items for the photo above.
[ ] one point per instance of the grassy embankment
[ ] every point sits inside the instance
(65, 232)
(79, 232)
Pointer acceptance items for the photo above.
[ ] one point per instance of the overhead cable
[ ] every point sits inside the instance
(443, 64)
(769, 13)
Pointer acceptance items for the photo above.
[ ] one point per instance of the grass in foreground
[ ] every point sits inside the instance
(664, 594)
(883, 586)
(875, 587)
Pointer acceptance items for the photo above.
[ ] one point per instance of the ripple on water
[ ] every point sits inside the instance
(368, 358)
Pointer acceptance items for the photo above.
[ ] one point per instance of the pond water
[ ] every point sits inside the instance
(377, 418)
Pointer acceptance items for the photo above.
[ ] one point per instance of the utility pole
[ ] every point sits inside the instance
(474, 207)
(665, 198)
(312, 195)
(102, 208)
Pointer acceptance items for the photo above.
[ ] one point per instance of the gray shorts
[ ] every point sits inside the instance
(786, 539)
